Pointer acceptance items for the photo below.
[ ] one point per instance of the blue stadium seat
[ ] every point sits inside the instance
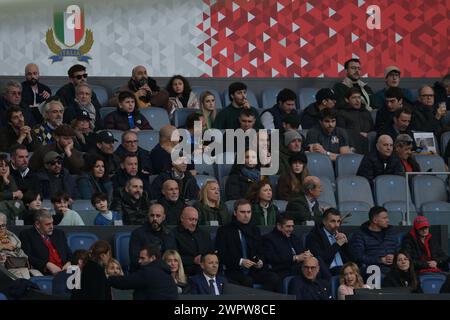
(348, 164)
(81, 240)
(180, 116)
(205, 169)
(438, 218)
(327, 197)
(431, 162)
(286, 282)
(355, 212)
(230, 206)
(355, 190)
(269, 97)
(281, 204)
(431, 283)
(389, 191)
(121, 249)
(157, 117)
(306, 96)
(104, 111)
(199, 90)
(400, 237)
(101, 93)
(373, 113)
(251, 97)
(88, 216)
(334, 282)
(45, 283)
(148, 139)
(273, 179)
(3, 297)
(202, 178)
(428, 189)
(82, 205)
(372, 140)
(320, 165)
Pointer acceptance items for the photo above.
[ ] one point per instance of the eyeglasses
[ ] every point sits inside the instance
(80, 76)
(2, 226)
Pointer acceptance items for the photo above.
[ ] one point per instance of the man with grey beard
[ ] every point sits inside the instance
(53, 112)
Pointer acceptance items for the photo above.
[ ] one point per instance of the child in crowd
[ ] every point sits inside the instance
(105, 217)
(63, 215)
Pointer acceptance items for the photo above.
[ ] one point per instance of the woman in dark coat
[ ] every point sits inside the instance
(402, 274)
(94, 180)
(264, 211)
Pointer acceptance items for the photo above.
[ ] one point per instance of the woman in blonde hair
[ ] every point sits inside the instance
(350, 279)
(208, 107)
(209, 207)
(94, 284)
(173, 259)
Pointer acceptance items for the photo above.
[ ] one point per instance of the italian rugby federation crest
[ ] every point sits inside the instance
(65, 39)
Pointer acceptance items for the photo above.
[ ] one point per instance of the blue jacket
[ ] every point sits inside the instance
(100, 219)
(199, 285)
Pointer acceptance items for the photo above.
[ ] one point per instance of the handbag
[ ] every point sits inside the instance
(16, 262)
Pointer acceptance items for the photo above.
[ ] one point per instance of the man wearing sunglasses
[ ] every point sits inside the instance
(77, 74)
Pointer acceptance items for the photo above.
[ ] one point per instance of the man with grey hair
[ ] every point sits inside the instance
(53, 112)
(425, 116)
(305, 207)
(46, 247)
(12, 96)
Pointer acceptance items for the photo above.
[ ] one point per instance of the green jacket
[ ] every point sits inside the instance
(206, 214)
(258, 215)
(298, 209)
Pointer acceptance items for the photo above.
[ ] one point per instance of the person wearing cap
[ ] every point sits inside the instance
(426, 116)
(77, 75)
(292, 142)
(64, 146)
(327, 138)
(403, 147)
(52, 113)
(380, 161)
(290, 183)
(85, 137)
(104, 148)
(353, 79)
(325, 99)
(55, 178)
(273, 118)
(357, 121)
(16, 131)
(392, 80)
(393, 98)
(424, 249)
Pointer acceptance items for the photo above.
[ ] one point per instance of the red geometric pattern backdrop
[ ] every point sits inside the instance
(290, 38)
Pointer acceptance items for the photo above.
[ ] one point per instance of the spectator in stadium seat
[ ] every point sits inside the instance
(327, 138)
(83, 102)
(84, 139)
(104, 216)
(8, 187)
(442, 90)
(19, 170)
(325, 241)
(264, 211)
(160, 154)
(132, 201)
(273, 118)
(290, 122)
(404, 150)
(127, 116)
(424, 249)
(393, 98)
(94, 284)
(380, 161)
(402, 274)
(152, 232)
(94, 179)
(247, 121)
(192, 242)
(64, 146)
(305, 207)
(290, 183)
(52, 113)
(129, 168)
(113, 268)
(239, 246)
(145, 89)
(209, 281)
(375, 243)
(16, 131)
(357, 121)
(242, 176)
(12, 96)
(32, 200)
(400, 124)
(181, 94)
(212, 211)
(46, 247)
(172, 202)
(425, 116)
(307, 286)
(55, 177)
(130, 145)
(77, 75)
(173, 259)
(349, 279)
(63, 215)
(33, 91)
(208, 108)
(284, 250)
(153, 280)
(228, 118)
(325, 99)
(187, 184)
(291, 142)
(392, 80)
(353, 79)
(104, 148)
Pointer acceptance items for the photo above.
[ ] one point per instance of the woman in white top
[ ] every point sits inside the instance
(350, 279)
(180, 94)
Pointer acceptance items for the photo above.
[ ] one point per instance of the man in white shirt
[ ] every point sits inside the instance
(208, 282)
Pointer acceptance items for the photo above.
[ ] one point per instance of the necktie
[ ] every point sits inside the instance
(212, 290)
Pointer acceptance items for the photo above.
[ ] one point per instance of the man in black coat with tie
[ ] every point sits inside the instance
(208, 282)
(327, 243)
(305, 207)
(239, 245)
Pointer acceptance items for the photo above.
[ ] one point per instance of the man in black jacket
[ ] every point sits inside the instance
(172, 202)
(105, 149)
(239, 245)
(305, 207)
(16, 131)
(192, 242)
(152, 281)
(34, 92)
(19, 170)
(152, 232)
(46, 247)
(130, 144)
(327, 243)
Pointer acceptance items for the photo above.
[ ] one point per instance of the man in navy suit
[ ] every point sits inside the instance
(208, 282)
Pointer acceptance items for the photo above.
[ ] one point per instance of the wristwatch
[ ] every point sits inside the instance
(328, 153)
